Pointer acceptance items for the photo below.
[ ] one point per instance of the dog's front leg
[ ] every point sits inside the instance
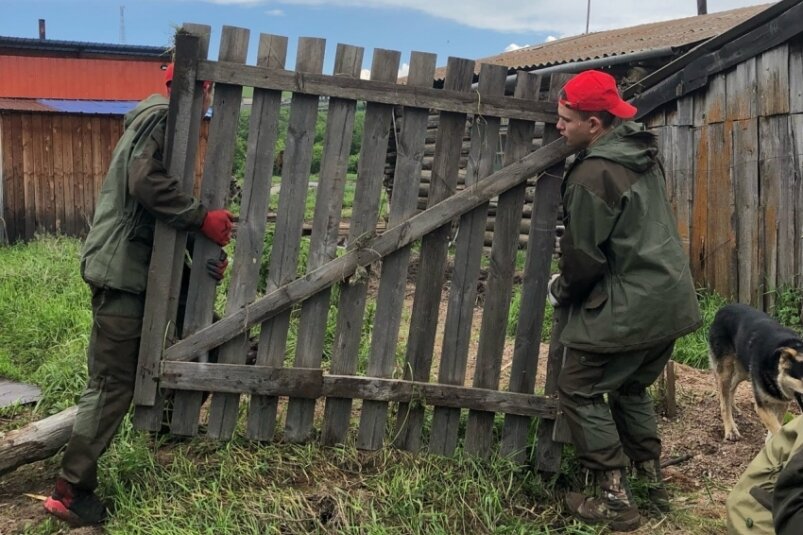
(770, 415)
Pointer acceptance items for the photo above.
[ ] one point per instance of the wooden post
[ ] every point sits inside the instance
(287, 237)
(323, 242)
(670, 397)
(463, 291)
(547, 450)
(183, 122)
(214, 192)
(429, 279)
(540, 248)
(263, 130)
(479, 431)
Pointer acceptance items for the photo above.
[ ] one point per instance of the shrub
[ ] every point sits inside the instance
(787, 306)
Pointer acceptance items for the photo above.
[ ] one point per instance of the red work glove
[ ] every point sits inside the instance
(216, 267)
(217, 226)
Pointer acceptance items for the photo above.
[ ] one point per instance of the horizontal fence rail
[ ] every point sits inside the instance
(378, 91)
(311, 383)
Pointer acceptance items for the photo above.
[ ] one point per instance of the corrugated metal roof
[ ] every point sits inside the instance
(79, 48)
(671, 33)
(94, 107)
(84, 107)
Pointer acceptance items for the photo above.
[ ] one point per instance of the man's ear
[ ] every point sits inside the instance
(595, 124)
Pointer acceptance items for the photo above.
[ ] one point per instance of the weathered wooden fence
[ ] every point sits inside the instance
(298, 373)
(429, 158)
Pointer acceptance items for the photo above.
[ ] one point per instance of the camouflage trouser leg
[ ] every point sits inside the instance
(112, 364)
(608, 435)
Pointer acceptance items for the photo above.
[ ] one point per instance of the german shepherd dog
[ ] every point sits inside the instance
(746, 344)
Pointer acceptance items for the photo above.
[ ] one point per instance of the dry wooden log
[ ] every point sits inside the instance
(36, 441)
(524, 225)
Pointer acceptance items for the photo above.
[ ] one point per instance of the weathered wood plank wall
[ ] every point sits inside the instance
(732, 151)
(52, 166)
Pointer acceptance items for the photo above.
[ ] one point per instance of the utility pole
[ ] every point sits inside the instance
(122, 24)
(588, 14)
(702, 7)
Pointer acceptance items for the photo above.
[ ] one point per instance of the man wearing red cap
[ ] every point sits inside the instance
(627, 291)
(136, 192)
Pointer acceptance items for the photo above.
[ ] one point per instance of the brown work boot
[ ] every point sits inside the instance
(649, 473)
(612, 507)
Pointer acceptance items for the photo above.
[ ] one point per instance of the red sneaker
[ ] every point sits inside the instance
(75, 506)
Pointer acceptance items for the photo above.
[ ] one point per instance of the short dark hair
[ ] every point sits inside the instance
(606, 118)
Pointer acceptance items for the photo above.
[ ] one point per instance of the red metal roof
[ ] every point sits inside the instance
(671, 33)
(78, 78)
(23, 104)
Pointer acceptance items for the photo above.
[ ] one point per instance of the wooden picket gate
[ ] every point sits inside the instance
(181, 365)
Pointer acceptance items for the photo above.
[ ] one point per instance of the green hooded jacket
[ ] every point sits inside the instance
(624, 276)
(136, 191)
(768, 498)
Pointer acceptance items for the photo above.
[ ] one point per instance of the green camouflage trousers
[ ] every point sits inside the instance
(607, 435)
(112, 365)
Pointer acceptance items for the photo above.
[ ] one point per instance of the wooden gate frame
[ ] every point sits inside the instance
(165, 363)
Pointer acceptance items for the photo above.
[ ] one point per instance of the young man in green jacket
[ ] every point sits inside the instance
(627, 291)
(136, 192)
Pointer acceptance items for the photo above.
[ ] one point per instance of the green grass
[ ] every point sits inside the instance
(515, 310)
(44, 318)
(692, 349)
(200, 486)
(238, 488)
(787, 309)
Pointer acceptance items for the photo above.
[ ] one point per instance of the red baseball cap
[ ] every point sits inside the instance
(596, 91)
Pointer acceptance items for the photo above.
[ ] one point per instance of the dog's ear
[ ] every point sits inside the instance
(789, 356)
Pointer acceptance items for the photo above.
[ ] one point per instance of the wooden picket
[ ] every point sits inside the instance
(183, 365)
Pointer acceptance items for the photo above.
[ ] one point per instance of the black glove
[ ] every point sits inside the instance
(216, 267)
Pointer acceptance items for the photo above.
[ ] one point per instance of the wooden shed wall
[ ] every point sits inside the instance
(52, 166)
(732, 151)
